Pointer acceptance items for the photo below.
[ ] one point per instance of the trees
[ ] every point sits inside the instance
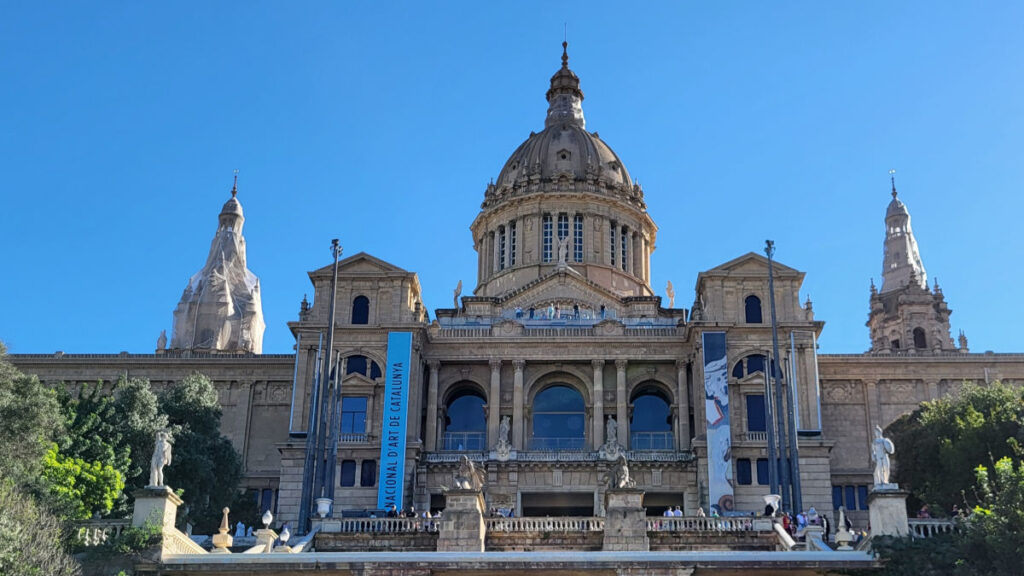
(138, 415)
(940, 444)
(80, 488)
(206, 465)
(31, 422)
(31, 539)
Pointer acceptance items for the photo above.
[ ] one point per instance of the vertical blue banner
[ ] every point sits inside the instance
(393, 422)
(716, 410)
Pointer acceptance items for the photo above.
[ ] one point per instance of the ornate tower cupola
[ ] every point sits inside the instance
(221, 309)
(563, 203)
(902, 264)
(905, 314)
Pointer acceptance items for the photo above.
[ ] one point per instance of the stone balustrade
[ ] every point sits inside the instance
(702, 524)
(377, 525)
(928, 527)
(545, 524)
(97, 532)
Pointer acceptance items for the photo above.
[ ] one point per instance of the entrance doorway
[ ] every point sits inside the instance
(557, 503)
(657, 502)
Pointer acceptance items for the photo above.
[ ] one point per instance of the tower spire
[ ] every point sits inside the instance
(902, 264)
(234, 187)
(892, 178)
(565, 99)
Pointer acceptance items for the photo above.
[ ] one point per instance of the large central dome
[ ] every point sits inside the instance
(564, 152)
(563, 204)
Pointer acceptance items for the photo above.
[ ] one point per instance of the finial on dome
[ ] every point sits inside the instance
(234, 187)
(565, 54)
(892, 178)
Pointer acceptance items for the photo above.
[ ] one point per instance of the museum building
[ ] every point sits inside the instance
(562, 359)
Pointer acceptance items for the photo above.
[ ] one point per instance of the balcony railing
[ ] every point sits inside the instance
(651, 441)
(352, 438)
(97, 532)
(760, 436)
(380, 525)
(464, 441)
(550, 443)
(928, 527)
(545, 524)
(699, 524)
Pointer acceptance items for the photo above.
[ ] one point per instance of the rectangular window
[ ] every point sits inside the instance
(851, 497)
(512, 243)
(348, 472)
(862, 497)
(624, 237)
(563, 226)
(353, 415)
(577, 238)
(612, 248)
(837, 497)
(762, 471)
(547, 238)
(743, 471)
(266, 500)
(368, 473)
(755, 413)
(501, 247)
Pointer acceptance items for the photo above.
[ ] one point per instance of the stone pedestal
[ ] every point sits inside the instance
(887, 510)
(157, 504)
(625, 523)
(462, 524)
(266, 537)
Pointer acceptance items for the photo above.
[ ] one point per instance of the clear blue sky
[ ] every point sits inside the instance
(381, 124)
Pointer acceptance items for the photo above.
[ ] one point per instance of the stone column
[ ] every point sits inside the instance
(625, 524)
(598, 419)
(494, 252)
(462, 525)
(635, 245)
(887, 510)
(431, 439)
(621, 413)
(494, 404)
(683, 403)
(606, 232)
(517, 405)
(933, 389)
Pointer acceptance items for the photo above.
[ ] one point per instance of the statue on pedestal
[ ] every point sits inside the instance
(504, 446)
(618, 476)
(468, 476)
(563, 251)
(455, 295)
(161, 458)
(881, 448)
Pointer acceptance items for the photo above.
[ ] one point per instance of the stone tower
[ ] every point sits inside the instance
(221, 310)
(906, 314)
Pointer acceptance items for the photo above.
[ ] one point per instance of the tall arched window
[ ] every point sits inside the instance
(750, 365)
(359, 364)
(752, 306)
(919, 339)
(559, 420)
(651, 425)
(465, 423)
(361, 310)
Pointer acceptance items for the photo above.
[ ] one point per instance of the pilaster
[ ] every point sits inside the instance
(621, 401)
(517, 404)
(494, 404)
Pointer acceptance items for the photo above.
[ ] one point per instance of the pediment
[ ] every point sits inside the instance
(751, 264)
(361, 263)
(562, 286)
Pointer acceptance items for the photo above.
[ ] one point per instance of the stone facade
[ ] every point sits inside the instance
(563, 303)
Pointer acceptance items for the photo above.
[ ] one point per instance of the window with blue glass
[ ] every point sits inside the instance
(368, 473)
(558, 419)
(358, 365)
(762, 471)
(755, 413)
(743, 471)
(361, 310)
(577, 238)
(348, 472)
(862, 497)
(851, 497)
(837, 497)
(353, 415)
(465, 423)
(651, 425)
(547, 238)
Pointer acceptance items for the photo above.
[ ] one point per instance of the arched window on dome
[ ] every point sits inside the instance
(650, 427)
(559, 419)
(920, 341)
(465, 423)
(361, 310)
(752, 307)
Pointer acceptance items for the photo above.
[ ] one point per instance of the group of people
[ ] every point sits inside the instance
(503, 513)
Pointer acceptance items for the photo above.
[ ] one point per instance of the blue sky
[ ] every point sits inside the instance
(381, 124)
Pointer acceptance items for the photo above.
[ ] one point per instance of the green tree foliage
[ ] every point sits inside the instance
(939, 445)
(206, 466)
(80, 488)
(138, 415)
(31, 421)
(993, 543)
(32, 541)
(92, 431)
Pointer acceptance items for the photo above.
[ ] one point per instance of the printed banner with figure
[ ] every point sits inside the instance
(716, 409)
(393, 423)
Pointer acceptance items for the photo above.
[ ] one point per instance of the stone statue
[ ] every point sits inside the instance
(468, 477)
(563, 250)
(161, 341)
(671, 293)
(611, 431)
(618, 476)
(161, 458)
(457, 293)
(504, 447)
(881, 448)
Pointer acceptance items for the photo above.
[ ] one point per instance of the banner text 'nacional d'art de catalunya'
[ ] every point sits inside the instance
(716, 409)
(395, 414)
